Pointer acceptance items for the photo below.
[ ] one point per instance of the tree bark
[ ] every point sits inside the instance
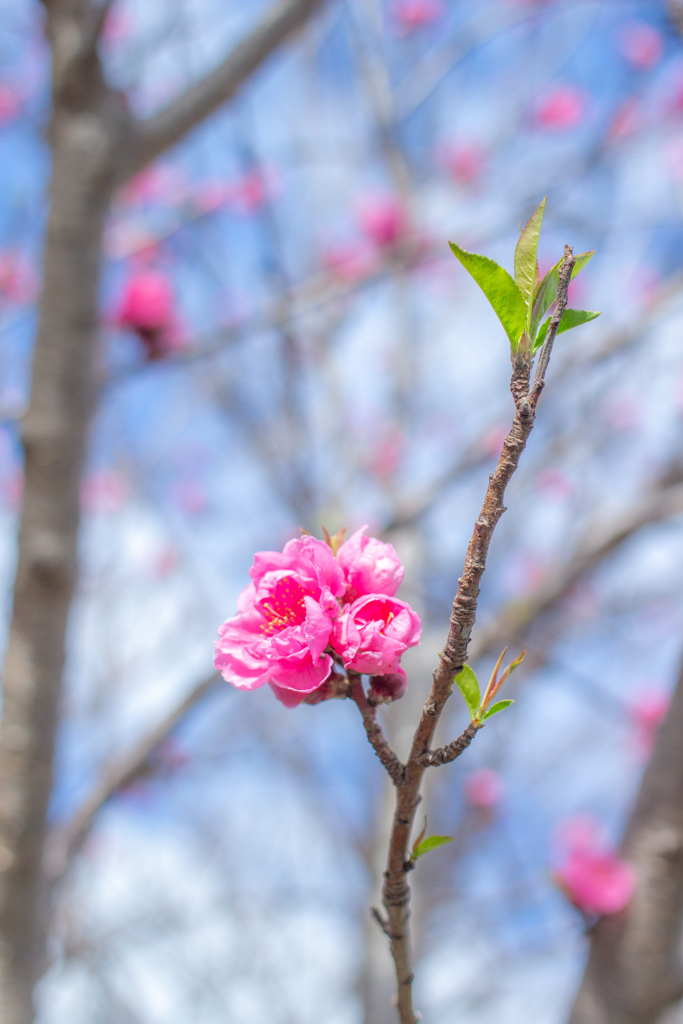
(95, 143)
(634, 966)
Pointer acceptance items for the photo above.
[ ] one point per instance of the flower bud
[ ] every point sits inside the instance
(385, 689)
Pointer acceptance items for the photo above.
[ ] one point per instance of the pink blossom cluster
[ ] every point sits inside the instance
(590, 874)
(307, 608)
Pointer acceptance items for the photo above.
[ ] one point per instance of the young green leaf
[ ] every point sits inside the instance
(468, 684)
(499, 288)
(570, 318)
(546, 292)
(525, 258)
(499, 706)
(429, 844)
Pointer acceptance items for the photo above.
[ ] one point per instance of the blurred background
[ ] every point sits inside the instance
(287, 342)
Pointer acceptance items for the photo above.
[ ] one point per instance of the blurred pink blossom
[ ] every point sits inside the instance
(351, 261)
(561, 108)
(483, 788)
(591, 875)
(147, 307)
(414, 14)
(370, 566)
(463, 161)
(13, 489)
(554, 484)
(382, 218)
(160, 183)
(627, 119)
(386, 455)
(117, 26)
(622, 411)
(18, 281)
(104, 491)
(10, 103)
(641, 44)
(165, 562)
(596, 883)
(492, 442)
(191, 497)
(647, 713)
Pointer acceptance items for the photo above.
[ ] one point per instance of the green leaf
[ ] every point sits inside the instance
(495, 708)
(546, 293)
(468, 684)
(525, 258)
(570, 318)
(499, 288)
(429, 844)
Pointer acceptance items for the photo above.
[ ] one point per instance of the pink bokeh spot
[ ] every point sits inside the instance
(483, 789)
(414, 14)
(10, 104)
(382, 218)
(351, 261)
(104, 492)
(647, 713)
(147, 307)
(562, 108)
(464, 162)
(592, 877)
(640, 44)
(627, 120)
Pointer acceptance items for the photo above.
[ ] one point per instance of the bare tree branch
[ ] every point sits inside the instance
(163, 129)
(374, 731)
(67, 840)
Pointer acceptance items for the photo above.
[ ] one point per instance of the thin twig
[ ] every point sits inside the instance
(396, 891)
(452, 750)
(544, 357)
(374, 731)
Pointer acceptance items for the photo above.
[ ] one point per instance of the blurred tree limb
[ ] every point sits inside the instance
(634, 969)
(96, 143)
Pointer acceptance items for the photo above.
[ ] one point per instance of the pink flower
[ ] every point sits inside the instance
(483, 788)
(413, 14)
(372, 633)
(18, 282)
(370, 566)
(388, 688)
(284, 622)
(596, 882)
(382, 218)
(147, 307)
(592, 877)
(561, 108)
(641, 44)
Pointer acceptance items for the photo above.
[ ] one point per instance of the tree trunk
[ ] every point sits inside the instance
(85, 131)
(634, 970)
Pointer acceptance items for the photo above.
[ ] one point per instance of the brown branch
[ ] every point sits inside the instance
(374, 731)
(443, 755)
(396, 891)
(67, 839)
(633, 973)
(163, 129)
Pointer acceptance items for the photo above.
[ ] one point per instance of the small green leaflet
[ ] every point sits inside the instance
(502, 292)
(429, 844)
(468, 684)
(525, 258)
(570, 318)
(495, 708)
(546, 293)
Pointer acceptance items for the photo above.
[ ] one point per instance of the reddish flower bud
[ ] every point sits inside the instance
(385, 689)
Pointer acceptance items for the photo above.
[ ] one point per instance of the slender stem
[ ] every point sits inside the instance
(374, 732)
(396, 891)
